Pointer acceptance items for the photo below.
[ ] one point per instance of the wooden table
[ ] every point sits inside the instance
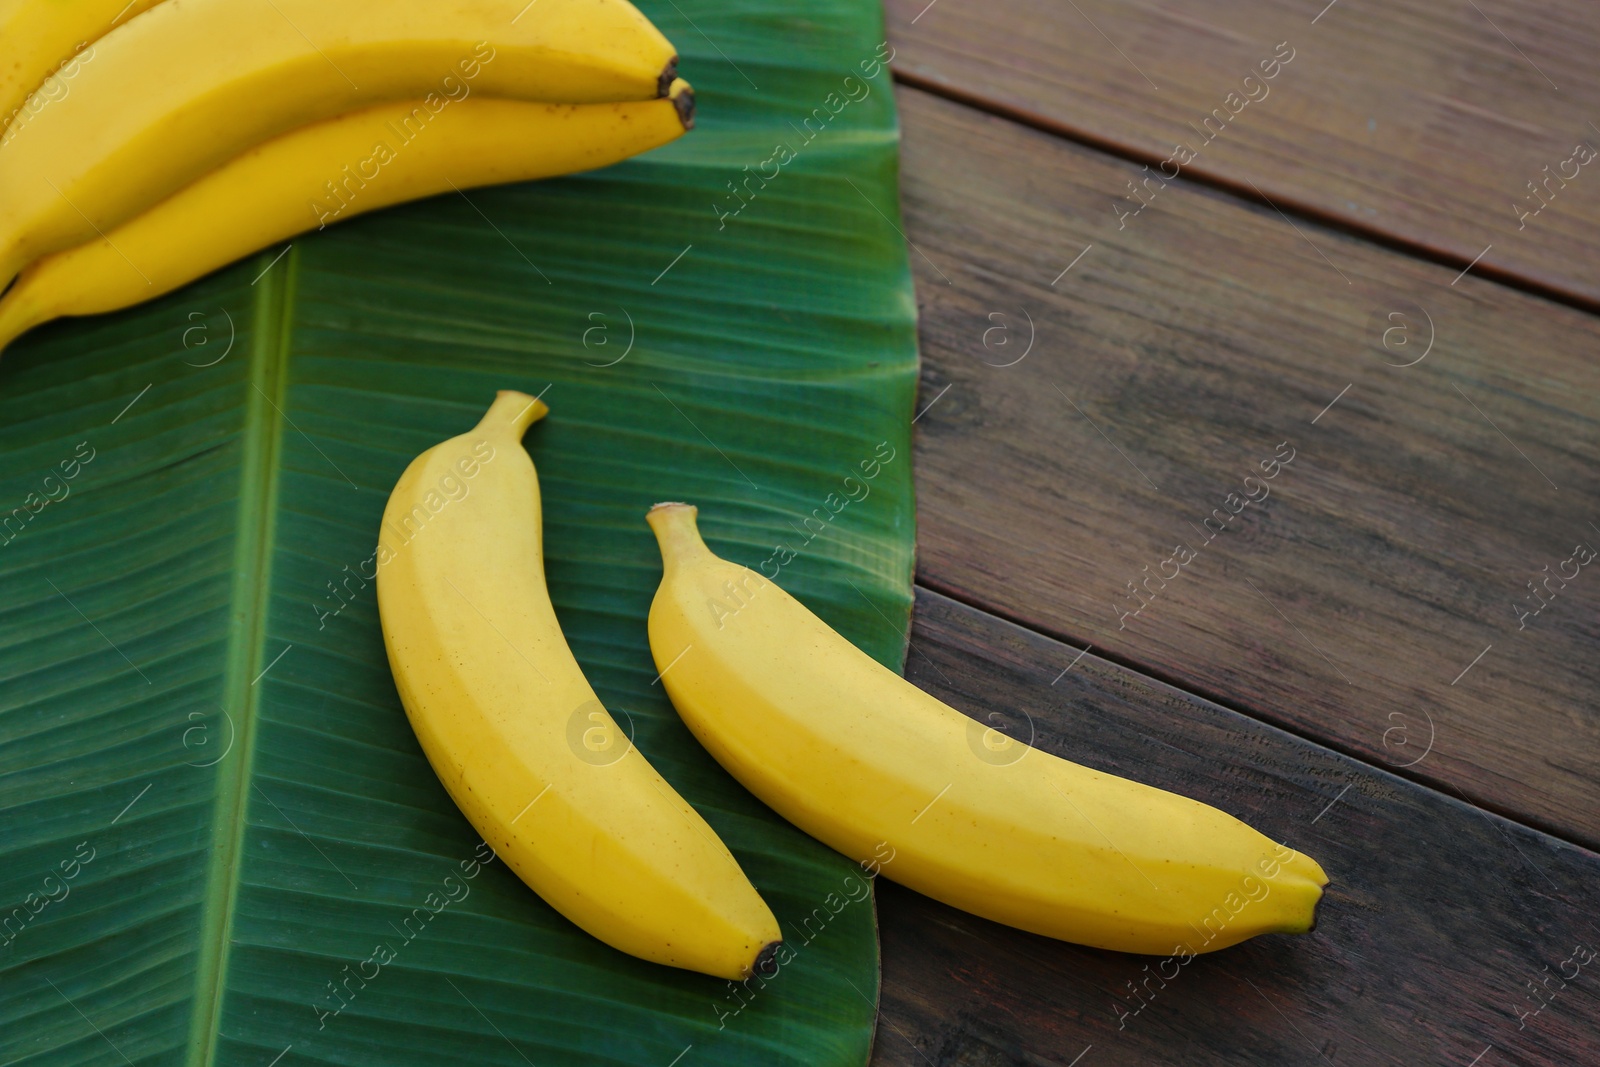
(1163, 251)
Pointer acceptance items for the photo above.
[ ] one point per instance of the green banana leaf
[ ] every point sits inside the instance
(212, 810)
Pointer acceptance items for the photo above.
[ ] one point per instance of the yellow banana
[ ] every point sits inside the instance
(187, 86)
(327, 172)
(867, 763)
(515, 732)
(45, 38)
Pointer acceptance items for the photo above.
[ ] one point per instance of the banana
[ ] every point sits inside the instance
(516, 734)
(327, 172)
(49, 37)
(867, 763)
(184, 87)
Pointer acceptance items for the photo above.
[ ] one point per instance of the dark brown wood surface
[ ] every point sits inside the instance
(1442, 926)
(1413, 122)
(1081, 426)
(1392, 658)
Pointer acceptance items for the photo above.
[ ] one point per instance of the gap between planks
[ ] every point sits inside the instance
(1245, 192)
(921, 581)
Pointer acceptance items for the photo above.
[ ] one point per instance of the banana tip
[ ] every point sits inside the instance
(766, 964)
(682, 95)
(1316, 905)
(669, 74)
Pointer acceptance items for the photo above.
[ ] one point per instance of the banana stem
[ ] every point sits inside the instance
(676, 532)
(513, 412)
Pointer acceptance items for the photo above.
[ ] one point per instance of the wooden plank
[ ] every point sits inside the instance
(1368, 600)
(1438, 919)
(1419, 121)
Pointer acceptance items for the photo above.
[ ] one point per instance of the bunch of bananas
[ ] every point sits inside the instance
(830, 739)
(145, 144)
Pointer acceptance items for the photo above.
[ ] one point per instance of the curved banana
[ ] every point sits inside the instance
(187, 86)
(45, 38)
(328, 172)
(515, 732)
(867, 763)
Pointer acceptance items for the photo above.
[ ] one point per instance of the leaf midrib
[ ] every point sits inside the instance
(261, 447)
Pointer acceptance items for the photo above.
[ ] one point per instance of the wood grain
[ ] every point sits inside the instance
(1369, 600)
(1419, 122)
(1437, 918)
